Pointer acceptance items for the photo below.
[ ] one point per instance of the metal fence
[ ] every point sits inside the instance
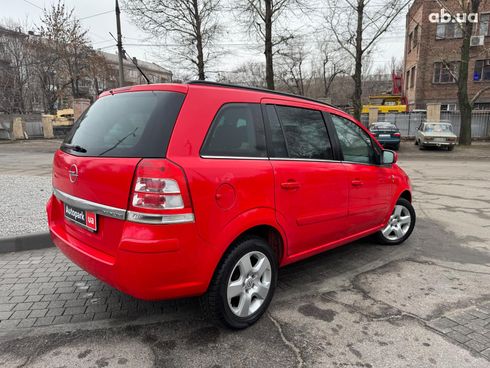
(34, 129)
(410, 121)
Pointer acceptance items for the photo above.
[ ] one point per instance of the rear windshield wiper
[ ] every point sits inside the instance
(74, 147)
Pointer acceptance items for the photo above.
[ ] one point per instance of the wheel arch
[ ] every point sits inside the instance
(406, 194)
(259, 222)
(267, 232)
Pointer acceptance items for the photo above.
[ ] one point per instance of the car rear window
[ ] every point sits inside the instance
(131, 124)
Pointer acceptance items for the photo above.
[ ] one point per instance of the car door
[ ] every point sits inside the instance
(370, 184)
(310, 184)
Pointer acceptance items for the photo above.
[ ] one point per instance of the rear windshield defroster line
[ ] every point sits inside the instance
(130, 124)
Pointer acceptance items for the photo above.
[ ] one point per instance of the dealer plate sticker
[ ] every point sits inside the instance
(81, 217)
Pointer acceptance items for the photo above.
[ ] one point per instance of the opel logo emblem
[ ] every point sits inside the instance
(73, 173)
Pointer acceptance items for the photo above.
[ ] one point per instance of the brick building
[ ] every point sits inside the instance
(432, 54)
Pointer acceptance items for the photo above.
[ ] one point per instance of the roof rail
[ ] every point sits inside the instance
(258, 89)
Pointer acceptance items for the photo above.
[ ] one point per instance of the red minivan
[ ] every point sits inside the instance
(204, 189)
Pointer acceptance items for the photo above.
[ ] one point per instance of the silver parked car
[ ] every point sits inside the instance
(436, 134)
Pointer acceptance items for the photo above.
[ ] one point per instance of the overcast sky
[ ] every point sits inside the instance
(98, 17)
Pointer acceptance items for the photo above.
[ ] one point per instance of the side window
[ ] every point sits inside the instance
(277, 140)
(236, 131)
(305, 132)
(355, 143)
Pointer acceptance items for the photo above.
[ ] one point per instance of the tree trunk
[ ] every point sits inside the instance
(200, 52)
(269, 69)
(465, 106)
(357, 96)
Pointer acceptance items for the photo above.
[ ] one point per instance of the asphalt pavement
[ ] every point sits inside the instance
(423, 304)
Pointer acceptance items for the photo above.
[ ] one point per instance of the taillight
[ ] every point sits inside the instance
(398, 135)
(157, 193)
(160, 194)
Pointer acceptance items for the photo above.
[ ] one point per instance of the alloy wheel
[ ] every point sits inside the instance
(398, 224)
(249, 284)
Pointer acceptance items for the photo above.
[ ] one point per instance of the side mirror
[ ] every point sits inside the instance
(389, 157)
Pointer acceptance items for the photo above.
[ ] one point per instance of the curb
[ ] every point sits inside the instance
(25, 242)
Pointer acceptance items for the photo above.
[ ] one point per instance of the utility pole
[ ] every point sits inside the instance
(120, 49)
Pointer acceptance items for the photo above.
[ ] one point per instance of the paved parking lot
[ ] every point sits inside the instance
(422, 304)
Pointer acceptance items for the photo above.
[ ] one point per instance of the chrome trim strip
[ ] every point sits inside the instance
(121, 214)
(147, 218)
(100, 209)
(235, 157)
(303, 159)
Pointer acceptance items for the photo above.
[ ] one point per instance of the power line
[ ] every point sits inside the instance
(34, 5)
(96, 15)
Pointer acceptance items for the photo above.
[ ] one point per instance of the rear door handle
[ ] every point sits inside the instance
(290, 185)
(356, 183)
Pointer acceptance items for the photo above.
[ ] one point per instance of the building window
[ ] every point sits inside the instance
(416, 36)
(408, 79)
(445, 72)
(484, 20)
(448, 107)
(412, 76)
(413, 38)
(482, 70)
(448, 30)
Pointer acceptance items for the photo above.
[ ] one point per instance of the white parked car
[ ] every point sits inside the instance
(436, 134)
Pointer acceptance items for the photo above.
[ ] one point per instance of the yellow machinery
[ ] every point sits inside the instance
(386, 103)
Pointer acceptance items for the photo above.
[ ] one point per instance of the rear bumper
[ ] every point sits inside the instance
(389, 141)
(438, 144)
(150, 262)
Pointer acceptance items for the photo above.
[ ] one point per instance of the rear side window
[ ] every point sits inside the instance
(305, 132)
(278, 144)
(131, 124)
(236, 131)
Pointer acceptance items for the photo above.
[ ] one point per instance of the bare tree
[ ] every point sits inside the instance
(63, 34)
(263, 18)
(190, 24)
(13, 70)
(332, 64)
(295, 69)
(250, 73)
(356, 26)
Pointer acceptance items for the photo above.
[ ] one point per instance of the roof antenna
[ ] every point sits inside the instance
(134, 61)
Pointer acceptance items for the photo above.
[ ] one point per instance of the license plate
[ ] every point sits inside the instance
(384, 135)
(82, 218)
(439, 139)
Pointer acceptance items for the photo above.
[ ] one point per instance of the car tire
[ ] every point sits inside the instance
(421, 146)
(234, 276)
(416, 142)
(397, 230)
(396, 148)
(450, 148)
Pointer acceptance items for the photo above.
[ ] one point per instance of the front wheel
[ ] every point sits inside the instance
(243, 285)
(400, 225)
(450, 148)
